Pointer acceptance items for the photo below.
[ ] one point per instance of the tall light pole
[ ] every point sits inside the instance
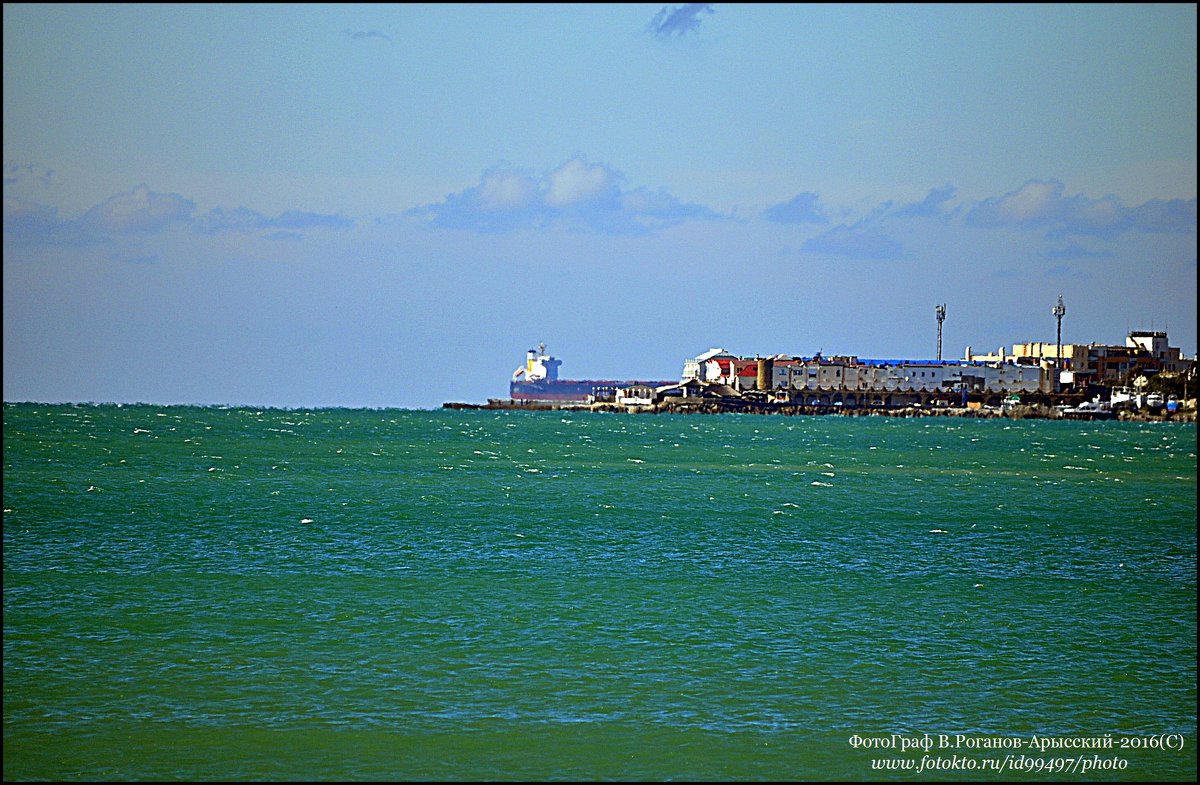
(941, 317)
(1059, 311)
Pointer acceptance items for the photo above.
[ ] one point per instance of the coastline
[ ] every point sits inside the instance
(1019, 412)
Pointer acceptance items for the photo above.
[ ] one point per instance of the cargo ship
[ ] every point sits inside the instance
(538, 380)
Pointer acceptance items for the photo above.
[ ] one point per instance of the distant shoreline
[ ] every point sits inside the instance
(1018, 412)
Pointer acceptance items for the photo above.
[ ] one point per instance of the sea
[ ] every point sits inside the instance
(223, 593)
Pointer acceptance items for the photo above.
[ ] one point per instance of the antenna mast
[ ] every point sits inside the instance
(1059, 311)
(941, 317)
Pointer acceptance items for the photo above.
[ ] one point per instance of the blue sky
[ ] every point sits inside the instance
(386, 205)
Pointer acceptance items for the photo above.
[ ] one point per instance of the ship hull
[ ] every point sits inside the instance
(571, 389)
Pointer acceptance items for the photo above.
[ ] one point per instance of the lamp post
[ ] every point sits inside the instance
(941, 317)
(1059, 311)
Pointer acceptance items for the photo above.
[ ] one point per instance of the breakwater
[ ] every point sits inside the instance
(1037, 411)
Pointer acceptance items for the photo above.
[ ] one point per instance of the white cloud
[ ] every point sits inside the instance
(1034, 201)
(577, 194)
(142, 211)
(577, 182)
(1043, 204)
(139, 210)
(506, 189)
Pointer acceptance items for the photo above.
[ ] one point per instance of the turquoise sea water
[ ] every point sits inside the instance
(212, 593)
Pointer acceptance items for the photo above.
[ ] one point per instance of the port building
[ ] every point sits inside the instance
(1144, 352)
(851, 374)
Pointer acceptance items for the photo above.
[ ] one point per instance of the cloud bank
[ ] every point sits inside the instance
(577, 194)
(802, 208)
(142, 211)
(139, 210)
(930, 206)
(244, 220)
(1043, 205)
(584, 196)
(1040, 207)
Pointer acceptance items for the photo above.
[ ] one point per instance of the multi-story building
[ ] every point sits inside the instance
(1093, 363)
(1155, 344)
(850, 374)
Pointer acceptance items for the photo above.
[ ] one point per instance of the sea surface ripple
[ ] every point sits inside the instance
(237, 593)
